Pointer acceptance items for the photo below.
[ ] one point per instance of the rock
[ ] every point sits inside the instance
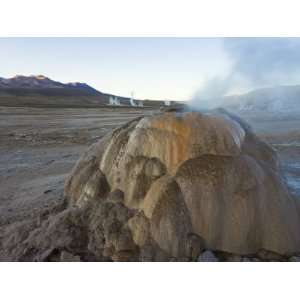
(255, 259)
(81, 187)
(180, 170)
(139, 226)
(68, 257)
(294, 259)
(266, 255)
(169, 220)
(123, 256)
(207, 256)
(234, 258)
(116, 196)
(245, 259)
(195, 246)
(108, 251)
(124, 241)
(64, 230)
(190, 161)
(151, 252)
(147, 253)
(141, 173)
(47, 191)
(109, 235)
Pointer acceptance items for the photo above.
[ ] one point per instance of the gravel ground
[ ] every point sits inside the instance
(38, 148)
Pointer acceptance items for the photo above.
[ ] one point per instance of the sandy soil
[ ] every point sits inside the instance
(39, 146)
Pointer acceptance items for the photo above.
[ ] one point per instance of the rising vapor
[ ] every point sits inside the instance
(257, 62)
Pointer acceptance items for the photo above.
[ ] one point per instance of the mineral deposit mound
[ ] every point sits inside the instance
(167, 188)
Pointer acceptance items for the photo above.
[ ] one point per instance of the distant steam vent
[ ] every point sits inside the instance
(114, 100)
(132, 102)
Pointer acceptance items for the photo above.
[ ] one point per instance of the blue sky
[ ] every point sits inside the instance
(155, 68)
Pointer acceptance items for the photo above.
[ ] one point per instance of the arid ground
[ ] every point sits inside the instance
(39, 146)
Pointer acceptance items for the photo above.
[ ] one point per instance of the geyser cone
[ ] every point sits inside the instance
(188, 173)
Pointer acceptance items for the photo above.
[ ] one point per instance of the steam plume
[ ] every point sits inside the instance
(257, 62)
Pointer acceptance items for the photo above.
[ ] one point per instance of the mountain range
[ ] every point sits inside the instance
(42, 91)
(40, 84)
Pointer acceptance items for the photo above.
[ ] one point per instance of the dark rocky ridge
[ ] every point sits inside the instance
(40, 91)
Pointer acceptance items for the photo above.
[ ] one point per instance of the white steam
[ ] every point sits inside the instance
(257, 62)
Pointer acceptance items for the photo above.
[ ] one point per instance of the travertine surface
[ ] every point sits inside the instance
(204, 174)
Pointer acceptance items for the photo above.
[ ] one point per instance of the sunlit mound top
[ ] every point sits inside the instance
(175, 138)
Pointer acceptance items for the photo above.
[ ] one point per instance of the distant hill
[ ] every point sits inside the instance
(21, 81)
(41, 85)
(273, 99)
(41, 91)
